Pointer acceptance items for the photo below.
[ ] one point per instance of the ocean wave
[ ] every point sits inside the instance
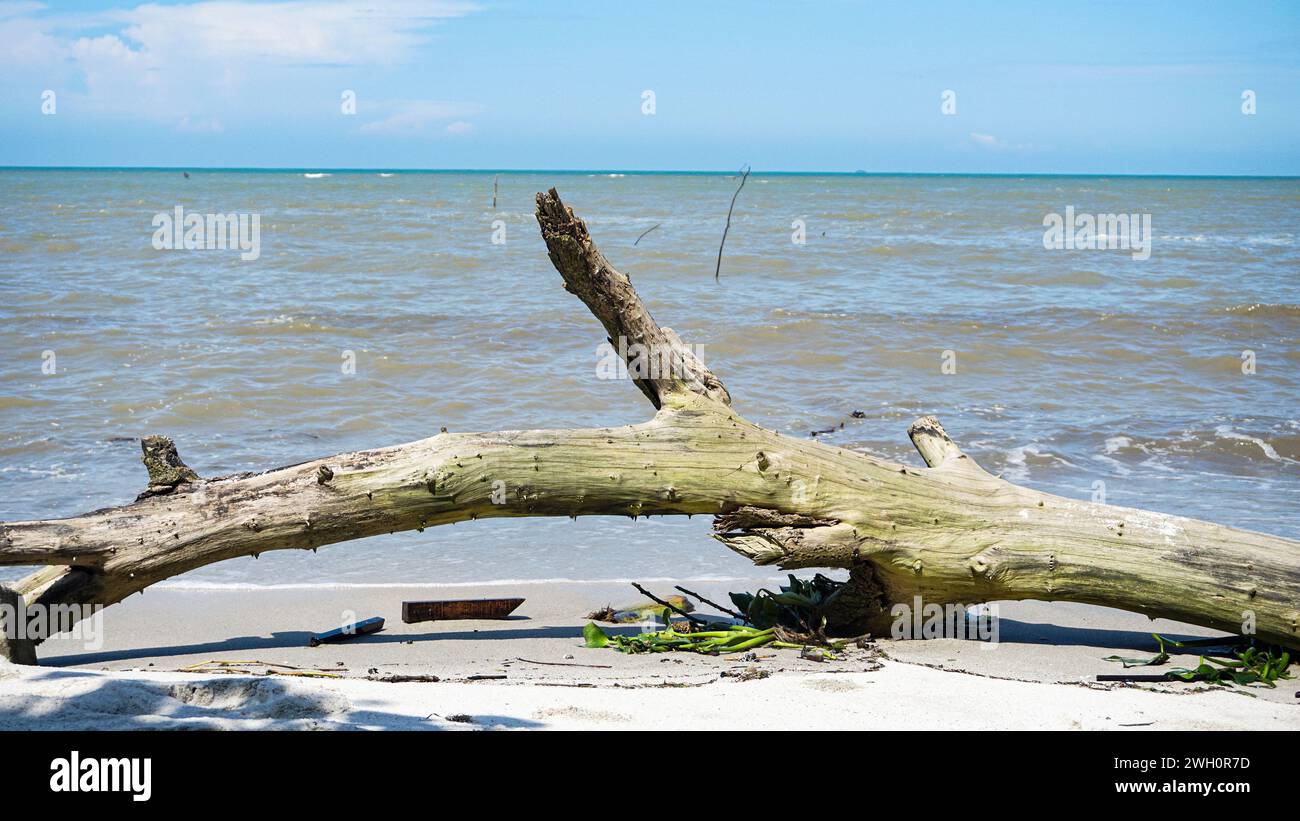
(1019, 459)
(1219, 442)
(1117, 443)
(1269, 309)
(1274, 240)
(1119, 468)
(53, 472)
(1226, 432)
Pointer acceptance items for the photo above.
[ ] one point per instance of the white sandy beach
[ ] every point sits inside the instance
(1040, 675)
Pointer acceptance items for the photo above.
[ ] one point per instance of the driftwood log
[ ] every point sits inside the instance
(949, 532)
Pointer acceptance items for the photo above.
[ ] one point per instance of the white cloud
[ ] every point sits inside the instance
(460, 128)
(381, 32)
(168, 62)
(417, 117)
(993, 143)
(25, 39)
(18, 8)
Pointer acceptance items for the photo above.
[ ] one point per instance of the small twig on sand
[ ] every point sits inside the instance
(240, 671)
(272, 669)
(566, 664)
(652, 597)
(726, 610)
(646, 231)
(223, 663)
(718, 270)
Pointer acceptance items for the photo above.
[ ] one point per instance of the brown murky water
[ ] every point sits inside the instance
(1073, 367)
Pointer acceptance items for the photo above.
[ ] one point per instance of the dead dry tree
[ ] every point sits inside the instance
(948, 532)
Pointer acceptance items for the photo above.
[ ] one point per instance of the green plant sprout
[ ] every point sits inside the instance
(792, 619)
(735, 638)
(1249, 665)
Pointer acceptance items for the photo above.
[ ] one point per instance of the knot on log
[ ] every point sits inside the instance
(323, 475)
(766, 536)
(748, 517)
(166, 470)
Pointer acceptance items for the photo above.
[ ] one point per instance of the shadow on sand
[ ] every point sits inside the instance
(1011, 631)
(298, 638)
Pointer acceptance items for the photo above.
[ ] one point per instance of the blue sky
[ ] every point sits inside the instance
(1107, 87)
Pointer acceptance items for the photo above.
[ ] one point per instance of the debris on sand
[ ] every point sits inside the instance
(633, 613)
(747, 674)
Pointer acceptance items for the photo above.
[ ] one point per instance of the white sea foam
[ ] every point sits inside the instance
(1116, 465)
(1117, 443)
(1226, 432)
(54, 472)
(1017, 460)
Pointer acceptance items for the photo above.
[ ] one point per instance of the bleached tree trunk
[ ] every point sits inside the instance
(949, 532)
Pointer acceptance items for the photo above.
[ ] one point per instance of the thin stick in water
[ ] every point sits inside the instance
(718, 270)
(646, 231)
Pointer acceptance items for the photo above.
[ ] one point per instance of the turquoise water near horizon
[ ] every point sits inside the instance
(628, 172)
(1073, 367)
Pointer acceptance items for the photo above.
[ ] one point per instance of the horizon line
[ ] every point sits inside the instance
(634, 171)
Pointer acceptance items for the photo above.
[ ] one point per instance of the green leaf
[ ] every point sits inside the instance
(594, 636)
(793, 600)
(1158, 659)
(742, 601)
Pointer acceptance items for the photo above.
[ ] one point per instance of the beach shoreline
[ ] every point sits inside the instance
(531, 671)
